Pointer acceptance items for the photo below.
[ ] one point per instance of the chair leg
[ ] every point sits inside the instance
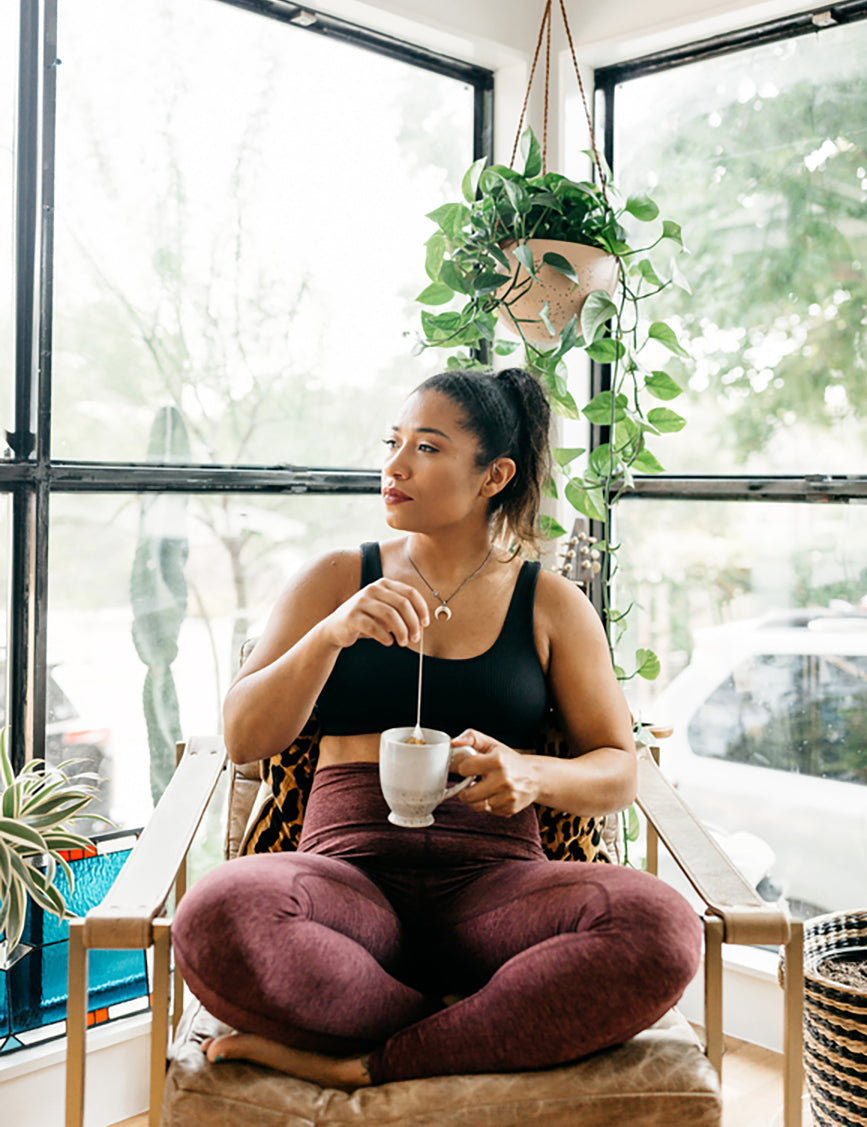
(160, 1018)
(76, 1025)
(714, 931)
(793, 1033)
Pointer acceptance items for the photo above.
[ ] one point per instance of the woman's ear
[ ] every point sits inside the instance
(500, 473)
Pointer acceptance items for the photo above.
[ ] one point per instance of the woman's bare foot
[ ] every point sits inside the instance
(346, 1073)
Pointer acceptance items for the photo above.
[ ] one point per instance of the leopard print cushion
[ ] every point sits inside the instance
(277, 825)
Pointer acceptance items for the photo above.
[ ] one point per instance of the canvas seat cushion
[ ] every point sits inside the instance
(660, 1078)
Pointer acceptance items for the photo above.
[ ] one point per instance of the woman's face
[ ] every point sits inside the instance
(430, 479)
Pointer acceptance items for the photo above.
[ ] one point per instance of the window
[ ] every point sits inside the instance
(803, 713)
(744, 560)
(224, 279)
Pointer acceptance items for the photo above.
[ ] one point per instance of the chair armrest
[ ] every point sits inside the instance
(723, 888)
(138, 895)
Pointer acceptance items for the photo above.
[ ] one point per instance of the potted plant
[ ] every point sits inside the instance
(37, 807)
(508, 289)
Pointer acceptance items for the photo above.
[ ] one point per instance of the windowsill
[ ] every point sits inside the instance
(33, 1080)
(24, 1061)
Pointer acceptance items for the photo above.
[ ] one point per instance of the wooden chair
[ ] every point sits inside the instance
(661, 1077)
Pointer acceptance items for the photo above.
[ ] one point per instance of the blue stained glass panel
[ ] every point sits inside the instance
(94, 876)
(38, 983)
(33, 991)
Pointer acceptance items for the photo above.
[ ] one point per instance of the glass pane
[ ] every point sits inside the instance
(177, 582)
(244, 251)
(759, 616)
(761, 155)
(5, 509)
(8, 72)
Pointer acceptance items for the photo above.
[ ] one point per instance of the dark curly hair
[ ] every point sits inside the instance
(508, 413)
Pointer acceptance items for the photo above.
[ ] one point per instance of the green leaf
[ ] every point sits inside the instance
(603, 409)
(586, 501)
(646, 270)
(551, 528)
(450, 218)
(17, 834)
(569, 338)
(565, 455)
(470, 182)
(451, 276)
(12, 914)
(488, 283)
(518, 198)
(549, 487)
(642, 208)
(606, 350)
(546, 320)
(5, 762)
(561, 264)
(665, 420)
(632, 829)
(678, 278)
(525, 256)
(506, 347)
(666, 335)
(600, 461)
(532, 153)
(645, 462)
(662, 386)
(436, 248)
(647, 664)
(598, 308)
(565, 405)
(672, 230)
(437, 293)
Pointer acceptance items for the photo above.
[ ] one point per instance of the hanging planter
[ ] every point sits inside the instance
(548, 299)
(513, 253)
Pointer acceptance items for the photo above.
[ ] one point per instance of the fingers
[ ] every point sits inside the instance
(478, 741)
(390, 611)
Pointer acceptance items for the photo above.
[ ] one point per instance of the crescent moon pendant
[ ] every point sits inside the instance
(443, 613)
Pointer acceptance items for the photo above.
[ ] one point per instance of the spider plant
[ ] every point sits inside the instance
(37, 807)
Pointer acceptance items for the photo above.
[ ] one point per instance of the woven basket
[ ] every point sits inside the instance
(835, 1022)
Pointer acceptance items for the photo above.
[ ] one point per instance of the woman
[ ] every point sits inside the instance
(333, 962)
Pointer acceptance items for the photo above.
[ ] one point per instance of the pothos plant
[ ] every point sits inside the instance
(37, 807)
(471, 261)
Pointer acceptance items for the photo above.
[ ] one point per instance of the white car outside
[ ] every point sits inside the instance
(770, 740)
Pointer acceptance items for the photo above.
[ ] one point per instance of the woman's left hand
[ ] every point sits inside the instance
(507, 780)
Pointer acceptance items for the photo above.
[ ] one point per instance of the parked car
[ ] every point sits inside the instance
(68, 735)
(770, 740)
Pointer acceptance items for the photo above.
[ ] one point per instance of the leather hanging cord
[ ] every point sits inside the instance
(546, 27)
(586, 107)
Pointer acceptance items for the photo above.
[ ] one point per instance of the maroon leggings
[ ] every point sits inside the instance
(359, 934)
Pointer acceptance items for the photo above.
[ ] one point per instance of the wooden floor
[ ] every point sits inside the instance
(752, 1088)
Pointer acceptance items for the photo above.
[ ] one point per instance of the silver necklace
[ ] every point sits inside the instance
(444, 611)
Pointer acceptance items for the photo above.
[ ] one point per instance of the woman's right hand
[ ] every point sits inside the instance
(386, 610)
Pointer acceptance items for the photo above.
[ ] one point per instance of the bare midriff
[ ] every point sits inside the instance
(349, 749)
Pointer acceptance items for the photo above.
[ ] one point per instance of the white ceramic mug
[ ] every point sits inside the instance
(414, 776)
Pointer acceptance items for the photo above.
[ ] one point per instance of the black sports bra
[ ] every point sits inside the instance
(501, 692)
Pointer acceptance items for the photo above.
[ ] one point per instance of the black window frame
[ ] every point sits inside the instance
(28, 474)
(778, 488)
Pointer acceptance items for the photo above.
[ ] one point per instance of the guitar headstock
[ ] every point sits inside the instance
(580, 559)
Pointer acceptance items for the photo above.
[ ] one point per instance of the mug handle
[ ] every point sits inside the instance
(464, 783)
